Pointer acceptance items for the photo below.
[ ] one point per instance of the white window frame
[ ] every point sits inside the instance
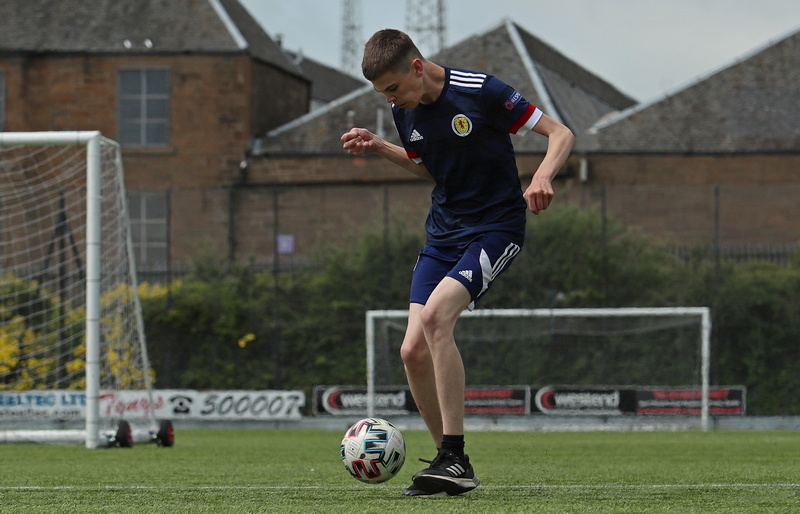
(144, 245)
(145, 138)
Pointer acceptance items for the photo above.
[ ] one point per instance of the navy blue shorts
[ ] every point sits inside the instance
(476, 266)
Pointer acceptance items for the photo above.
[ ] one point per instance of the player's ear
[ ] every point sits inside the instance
(417, 67)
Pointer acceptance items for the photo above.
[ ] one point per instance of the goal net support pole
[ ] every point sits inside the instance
(705, 337)
(93, 244)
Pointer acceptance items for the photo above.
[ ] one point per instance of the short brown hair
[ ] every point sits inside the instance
(388, 50)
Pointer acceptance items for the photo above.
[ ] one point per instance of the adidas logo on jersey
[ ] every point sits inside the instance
(415, 136)
(467, 273)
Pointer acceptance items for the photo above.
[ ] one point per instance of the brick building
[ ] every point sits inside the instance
(715, 162)
(182, 85)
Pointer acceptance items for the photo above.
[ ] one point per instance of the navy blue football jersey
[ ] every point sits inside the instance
(463, 140)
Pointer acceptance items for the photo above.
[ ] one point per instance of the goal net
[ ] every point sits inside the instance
(575, 349)
(70, 319)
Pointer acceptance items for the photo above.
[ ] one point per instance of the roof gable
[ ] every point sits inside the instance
(327, 84)
(259, 44)
(750, 105)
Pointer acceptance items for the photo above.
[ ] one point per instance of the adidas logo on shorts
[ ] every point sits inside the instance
(467, 273)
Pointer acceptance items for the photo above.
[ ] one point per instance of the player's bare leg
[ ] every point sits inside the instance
(439, 318)
(422, 381)
(420, 373)
(450, 472)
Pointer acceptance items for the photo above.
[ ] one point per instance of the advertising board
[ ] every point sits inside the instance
(352, 400)
(548, 400)
(170, 404)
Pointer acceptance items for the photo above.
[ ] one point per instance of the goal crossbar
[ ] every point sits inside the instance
(702, 312)
(65, 138)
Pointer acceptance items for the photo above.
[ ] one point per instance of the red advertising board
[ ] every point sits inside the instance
(497, 400)
(727, 401)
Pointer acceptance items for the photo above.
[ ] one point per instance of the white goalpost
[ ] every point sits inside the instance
(71, 317)
(668, 346)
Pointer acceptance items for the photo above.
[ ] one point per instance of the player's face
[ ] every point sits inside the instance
(402, 89)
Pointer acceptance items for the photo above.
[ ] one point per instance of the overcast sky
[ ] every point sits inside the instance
(643, 47)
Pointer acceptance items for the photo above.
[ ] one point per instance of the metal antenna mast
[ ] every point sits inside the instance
(351, 37)
(425, 23)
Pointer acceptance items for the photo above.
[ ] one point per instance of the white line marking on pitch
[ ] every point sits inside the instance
(357, 487)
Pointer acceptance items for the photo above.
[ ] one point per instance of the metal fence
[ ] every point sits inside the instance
(781, 254)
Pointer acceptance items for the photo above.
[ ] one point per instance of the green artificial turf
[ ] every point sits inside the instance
(300, 471)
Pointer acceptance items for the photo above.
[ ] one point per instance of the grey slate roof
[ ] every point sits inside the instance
(103, 26)
(560, 87)
(751, 105)
(327, 84)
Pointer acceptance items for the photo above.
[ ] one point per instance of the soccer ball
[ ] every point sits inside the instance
(373, 450)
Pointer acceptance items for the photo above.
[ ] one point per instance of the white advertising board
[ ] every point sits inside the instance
(171, 404)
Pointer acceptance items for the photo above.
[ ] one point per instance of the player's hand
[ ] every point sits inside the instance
(359, 141)
(539, 194)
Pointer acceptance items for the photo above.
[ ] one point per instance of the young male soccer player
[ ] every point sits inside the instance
(454, 126)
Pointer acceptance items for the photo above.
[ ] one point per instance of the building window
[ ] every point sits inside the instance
(148, 211)
(143, 107)
(2, 100)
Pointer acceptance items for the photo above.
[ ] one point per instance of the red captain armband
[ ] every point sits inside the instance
(528, 119)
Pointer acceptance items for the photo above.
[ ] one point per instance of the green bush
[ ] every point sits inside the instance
(757, 337)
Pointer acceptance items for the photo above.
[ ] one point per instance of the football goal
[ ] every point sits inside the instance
(579, 349)
(70, 319)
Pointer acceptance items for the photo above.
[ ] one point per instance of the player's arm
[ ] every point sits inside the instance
(560, 139)
(360, 141)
